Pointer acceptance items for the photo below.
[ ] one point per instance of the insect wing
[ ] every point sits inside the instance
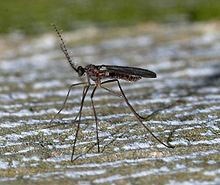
(130, 70)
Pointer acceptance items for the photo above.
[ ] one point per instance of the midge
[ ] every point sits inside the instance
(100, 75)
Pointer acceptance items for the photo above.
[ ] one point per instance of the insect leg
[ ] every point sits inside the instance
(96, 120)
(121, 95)
(64, 103)
(81, 102)
(115, 93)
(86, 88)
(168, 145)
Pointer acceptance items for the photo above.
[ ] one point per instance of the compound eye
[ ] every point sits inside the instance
(80, 70)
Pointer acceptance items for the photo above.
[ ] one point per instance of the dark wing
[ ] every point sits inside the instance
(130, 70)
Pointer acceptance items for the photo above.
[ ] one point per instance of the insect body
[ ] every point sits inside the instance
(97, 73)
(102, 74)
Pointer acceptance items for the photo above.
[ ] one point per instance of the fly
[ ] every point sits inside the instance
(100, 75)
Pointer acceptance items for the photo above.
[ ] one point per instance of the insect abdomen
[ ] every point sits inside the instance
(131, 78)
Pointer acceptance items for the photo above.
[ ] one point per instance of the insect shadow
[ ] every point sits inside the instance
(100, 75)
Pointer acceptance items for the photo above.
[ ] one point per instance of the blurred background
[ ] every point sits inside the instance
(35, 17)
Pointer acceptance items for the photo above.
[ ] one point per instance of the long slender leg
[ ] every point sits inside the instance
(96, 120)
(125, 98)
(78, 125)
(121, 135)
(64, 103)
(115, 93)
(137, 115)
(121, 95)
(84, 90)
(129, 105)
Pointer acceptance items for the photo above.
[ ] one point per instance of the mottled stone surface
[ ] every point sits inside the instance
(184, 100)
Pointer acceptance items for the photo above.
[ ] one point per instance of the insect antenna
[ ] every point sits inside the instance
(64, 49)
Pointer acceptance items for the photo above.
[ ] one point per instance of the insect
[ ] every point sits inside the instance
(100, 75)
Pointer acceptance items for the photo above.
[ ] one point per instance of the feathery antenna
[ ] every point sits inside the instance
(64, 49)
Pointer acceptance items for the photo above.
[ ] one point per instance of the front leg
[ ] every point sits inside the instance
(86, 88)
(65, 100)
